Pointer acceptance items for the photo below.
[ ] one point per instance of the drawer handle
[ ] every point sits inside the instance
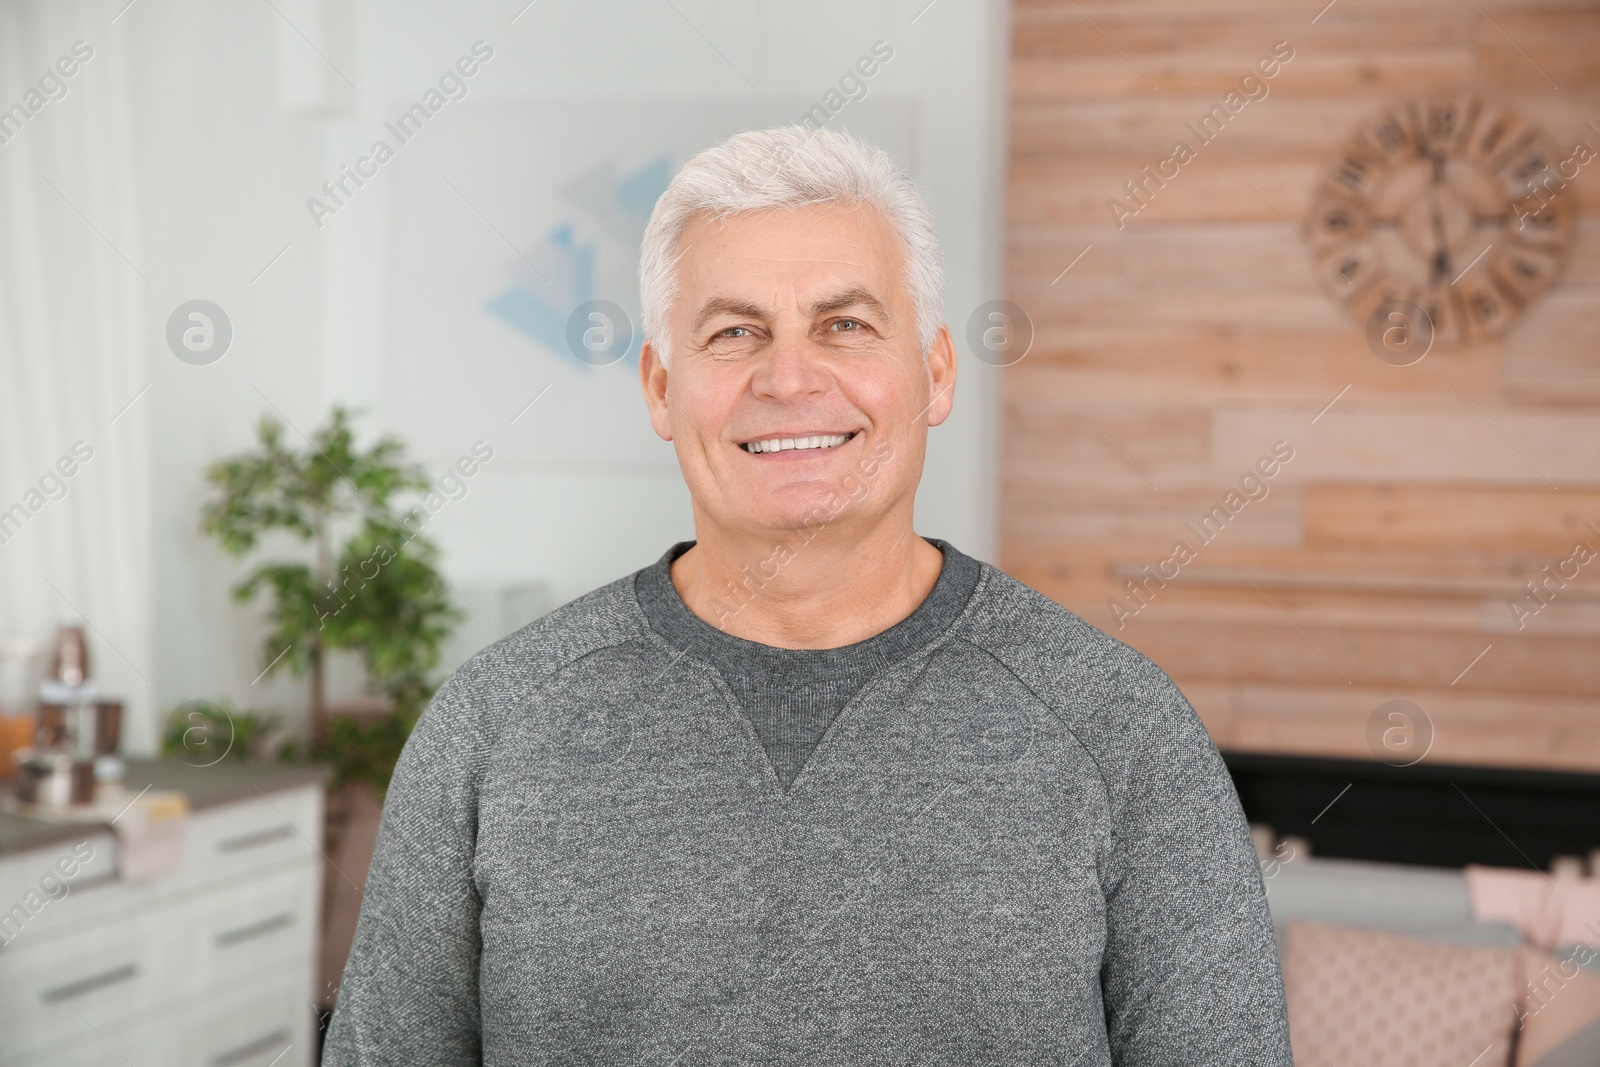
(244, 1052)
(93, 881)
(257, 929)
(255, 840)
(88, 985)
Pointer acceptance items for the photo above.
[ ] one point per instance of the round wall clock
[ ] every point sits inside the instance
(1454, 205)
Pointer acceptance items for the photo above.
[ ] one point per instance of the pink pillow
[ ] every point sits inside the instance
(1377, 999)
(1549, 909)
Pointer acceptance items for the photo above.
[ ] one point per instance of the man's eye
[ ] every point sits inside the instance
(853, 323)
(729, 332)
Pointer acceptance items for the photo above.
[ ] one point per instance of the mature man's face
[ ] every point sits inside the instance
(797, 324)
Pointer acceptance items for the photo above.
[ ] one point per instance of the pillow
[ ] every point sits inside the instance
(1560, 1023)
(1385, 1000)
(1551, 909)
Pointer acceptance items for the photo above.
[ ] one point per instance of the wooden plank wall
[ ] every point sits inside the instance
(1384, 558)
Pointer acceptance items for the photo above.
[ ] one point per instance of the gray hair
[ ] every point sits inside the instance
(789, 167)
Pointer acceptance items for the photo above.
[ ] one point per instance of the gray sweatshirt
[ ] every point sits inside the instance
(990, 834)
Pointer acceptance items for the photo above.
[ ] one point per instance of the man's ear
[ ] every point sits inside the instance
(940, 365)
(653, 379)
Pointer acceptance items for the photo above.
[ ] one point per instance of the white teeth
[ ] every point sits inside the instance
(781, 444)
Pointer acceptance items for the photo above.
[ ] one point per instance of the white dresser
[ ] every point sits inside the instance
(211, 965)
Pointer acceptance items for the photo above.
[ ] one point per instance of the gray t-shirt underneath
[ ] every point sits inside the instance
(791, 695)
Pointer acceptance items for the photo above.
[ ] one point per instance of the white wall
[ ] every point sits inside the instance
(225, 166)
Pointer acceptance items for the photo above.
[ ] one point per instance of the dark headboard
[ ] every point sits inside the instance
(1437, 815)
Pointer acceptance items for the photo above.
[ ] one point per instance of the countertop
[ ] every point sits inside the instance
(205, 787)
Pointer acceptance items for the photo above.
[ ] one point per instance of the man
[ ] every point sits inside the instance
(811, 789)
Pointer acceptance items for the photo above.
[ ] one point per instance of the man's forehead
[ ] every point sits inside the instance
(740, 258)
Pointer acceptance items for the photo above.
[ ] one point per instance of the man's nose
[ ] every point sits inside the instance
(791, 368)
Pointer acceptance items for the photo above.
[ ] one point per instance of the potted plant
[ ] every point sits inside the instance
(370, 584)
(366, 582)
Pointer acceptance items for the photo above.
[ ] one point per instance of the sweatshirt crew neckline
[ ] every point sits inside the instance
(672, 619)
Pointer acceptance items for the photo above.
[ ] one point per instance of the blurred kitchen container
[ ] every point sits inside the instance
(21, 666)
(54, 778)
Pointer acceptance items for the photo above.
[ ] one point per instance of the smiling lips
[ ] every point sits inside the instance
(815, 442)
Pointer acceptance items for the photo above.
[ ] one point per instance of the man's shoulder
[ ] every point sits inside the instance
(1071, 665)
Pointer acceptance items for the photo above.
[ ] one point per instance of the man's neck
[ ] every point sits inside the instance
(835, 589)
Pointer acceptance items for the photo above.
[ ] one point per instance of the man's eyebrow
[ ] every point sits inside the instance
(722, 305)
(845, 298)
(856, 295)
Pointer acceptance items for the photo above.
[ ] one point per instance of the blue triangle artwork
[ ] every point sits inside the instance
(564, 263)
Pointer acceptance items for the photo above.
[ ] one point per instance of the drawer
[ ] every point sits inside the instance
(35, 900)
(231, 937)
(67, 987)
(231, 839)
(272, 1027)
(147, 1043)
(268, 1026)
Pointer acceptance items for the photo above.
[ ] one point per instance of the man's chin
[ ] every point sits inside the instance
(803, 518)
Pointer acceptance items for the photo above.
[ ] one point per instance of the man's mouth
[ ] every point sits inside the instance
(797, 442)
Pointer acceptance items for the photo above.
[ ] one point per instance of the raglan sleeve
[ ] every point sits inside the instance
(1190, 973)
(409, 994)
